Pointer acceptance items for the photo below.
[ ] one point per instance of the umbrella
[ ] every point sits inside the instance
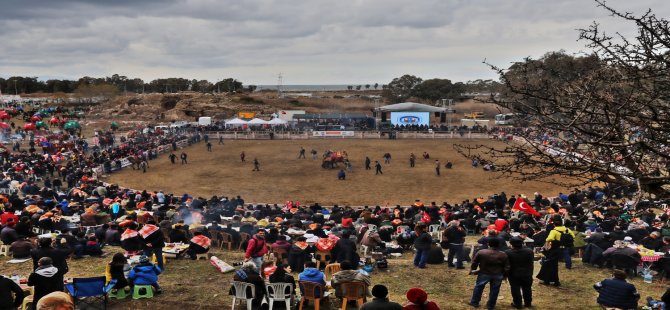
(29, 126)
(4, 115)
(41, 124)
(114, 125)
(35, 118)
(4, 125)
(54, 120)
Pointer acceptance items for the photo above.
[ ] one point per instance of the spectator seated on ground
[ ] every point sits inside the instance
(8, 234)
(380, 300)
(348, 274)
(435, 255)
(92, 247)
(249, 274)
(199, 244)
(45, 279)
(616, 292)
(21, 248)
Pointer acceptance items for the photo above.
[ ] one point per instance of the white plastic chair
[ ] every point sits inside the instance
(279, 292)
(371, 226)
(434, 230)
(364, 250)
(241, 293)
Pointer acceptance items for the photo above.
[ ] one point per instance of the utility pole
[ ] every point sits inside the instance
(280, 82)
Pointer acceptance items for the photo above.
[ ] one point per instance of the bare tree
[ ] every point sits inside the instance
(607, 120)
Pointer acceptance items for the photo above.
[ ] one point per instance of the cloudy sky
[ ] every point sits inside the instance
(308, 41)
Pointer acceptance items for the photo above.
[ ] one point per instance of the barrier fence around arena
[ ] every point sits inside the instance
(125, 162)
(345, 134)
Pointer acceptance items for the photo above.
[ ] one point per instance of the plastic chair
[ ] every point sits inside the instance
(239, 291)
(148, 291)
(279, 292)
(281, 254)
(243, 237)
(625, 263)
(204, 256)
(312, 291)
(324, 258)
(353, 291)
(330, 270)
(371, 226)
(27, 303)
(364, 250)
(225, 238)
(434, 231)
(82, 288)
(4, 249)
(118, 294)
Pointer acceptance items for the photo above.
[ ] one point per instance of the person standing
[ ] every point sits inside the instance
(153, 241)
(549, 269)
(422, 245)
(173, 158)
(313, 152)
(302, 153)
(45, 279)
(242, 156)
(565, 238)
(256, 248)
(367, 163)
(455, 236)
(492, 266)
(437, 167)
(209, 146)
(183, 158)
(220, 139)
(378, 167)
(412, 160)
(257, 165)
(144, 165)
(520, 275)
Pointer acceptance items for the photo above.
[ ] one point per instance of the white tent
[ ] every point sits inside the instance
(235, 122)
(277, 121)
(257, 121)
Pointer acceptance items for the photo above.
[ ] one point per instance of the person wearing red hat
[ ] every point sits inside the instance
(418, 300)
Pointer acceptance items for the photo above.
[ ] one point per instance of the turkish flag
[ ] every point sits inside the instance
(522, 205)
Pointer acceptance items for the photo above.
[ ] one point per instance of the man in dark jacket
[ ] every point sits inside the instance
(380, 300)
(11, 294)
(492, 265)
(616, 292)
(520, 273)
(345, 249)
(46, 279)
(57, 257)
(455, 236)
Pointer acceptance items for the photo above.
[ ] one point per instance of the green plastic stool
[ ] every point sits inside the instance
(120, 294)
(149, 291)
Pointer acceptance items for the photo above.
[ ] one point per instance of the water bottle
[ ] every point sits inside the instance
(647, 277)
(16, 279)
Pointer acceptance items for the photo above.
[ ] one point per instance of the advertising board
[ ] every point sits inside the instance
(410, 118)
(333, 133)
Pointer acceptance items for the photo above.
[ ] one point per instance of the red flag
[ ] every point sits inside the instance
(522, 205)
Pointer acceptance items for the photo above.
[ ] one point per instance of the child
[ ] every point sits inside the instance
(117, 270)
(145, 273)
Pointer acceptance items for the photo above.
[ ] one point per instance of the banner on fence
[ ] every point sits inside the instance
(333, 133)
(125, 162)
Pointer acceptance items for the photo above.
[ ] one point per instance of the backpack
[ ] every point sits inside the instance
(567, 240)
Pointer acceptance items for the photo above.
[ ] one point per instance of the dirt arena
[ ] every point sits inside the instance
(284, 177)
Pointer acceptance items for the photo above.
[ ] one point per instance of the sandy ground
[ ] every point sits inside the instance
(284, 177)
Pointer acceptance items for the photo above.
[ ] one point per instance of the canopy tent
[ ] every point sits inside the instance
(410, 107)
(257, 121)
(277, 121)
(235, 122)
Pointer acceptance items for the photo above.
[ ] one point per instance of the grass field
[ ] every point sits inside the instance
(284, 177)
(198, 285)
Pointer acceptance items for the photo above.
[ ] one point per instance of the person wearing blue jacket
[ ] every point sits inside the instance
(145, 273)
(616, 292)
(312, 274)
